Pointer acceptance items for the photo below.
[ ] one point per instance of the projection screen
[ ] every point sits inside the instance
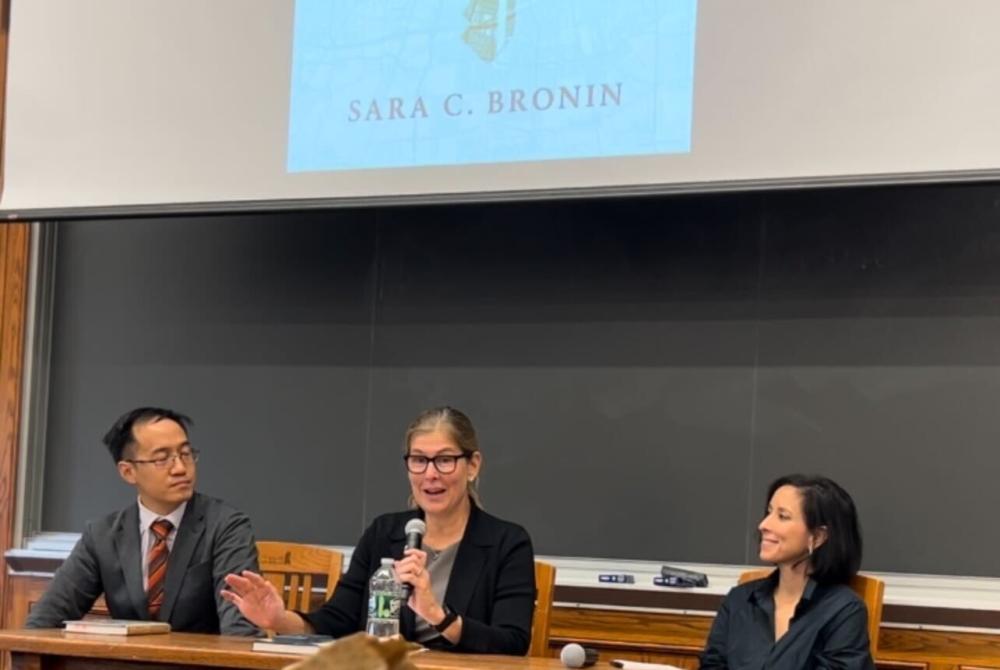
(138, 105)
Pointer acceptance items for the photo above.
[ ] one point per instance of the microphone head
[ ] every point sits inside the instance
(416, 526)
(573, 656)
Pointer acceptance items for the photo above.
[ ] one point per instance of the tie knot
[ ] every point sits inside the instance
(161, 528)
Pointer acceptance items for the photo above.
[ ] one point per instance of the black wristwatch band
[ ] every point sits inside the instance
(449, 618)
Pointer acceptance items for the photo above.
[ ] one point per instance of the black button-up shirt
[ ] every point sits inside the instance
(828, 630)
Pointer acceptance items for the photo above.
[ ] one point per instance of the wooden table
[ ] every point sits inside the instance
(58, 650)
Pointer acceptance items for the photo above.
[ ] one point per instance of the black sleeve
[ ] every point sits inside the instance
(342, 614)
(509, 630)
(846, 645)
(715, 655)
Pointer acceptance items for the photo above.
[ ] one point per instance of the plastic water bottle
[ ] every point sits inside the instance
(385, 598)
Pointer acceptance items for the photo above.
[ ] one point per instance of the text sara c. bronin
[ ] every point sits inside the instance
(512, 101)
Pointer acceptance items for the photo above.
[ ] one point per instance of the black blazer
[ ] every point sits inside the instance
(213, 540)
(492, 585)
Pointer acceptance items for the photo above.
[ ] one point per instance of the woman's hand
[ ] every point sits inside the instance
(412, 569)
(256, 598)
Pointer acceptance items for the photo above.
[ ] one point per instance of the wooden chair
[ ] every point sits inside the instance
(292, 568)
(870, 589)
(545, 588)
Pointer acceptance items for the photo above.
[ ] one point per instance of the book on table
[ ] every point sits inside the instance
(293, 644)
(306, 645)
(117, 627)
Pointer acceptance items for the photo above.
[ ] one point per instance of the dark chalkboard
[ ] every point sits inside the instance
(638, 369)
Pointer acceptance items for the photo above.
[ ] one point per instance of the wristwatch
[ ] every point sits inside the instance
(449, 618)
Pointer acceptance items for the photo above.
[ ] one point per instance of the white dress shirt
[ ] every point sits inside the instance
(147, 536)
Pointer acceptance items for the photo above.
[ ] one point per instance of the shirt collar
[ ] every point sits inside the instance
(764, 590)
(147, 516)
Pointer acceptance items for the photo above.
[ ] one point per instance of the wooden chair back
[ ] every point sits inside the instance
(545, 589)
(295, 569)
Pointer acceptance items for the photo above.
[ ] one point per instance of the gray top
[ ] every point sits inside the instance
(439, 565)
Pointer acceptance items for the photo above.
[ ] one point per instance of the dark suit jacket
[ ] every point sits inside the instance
(213, 540)
(492, 585)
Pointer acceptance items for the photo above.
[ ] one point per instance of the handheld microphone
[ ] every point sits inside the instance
(415, 529)
(575, 656)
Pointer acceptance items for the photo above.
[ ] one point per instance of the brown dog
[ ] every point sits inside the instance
(361, 652)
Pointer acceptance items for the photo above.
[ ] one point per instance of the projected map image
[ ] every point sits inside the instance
(398, 83)
(490, 26)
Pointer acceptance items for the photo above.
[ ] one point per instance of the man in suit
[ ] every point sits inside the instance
(165, 557)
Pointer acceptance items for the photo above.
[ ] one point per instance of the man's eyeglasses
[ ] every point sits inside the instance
(443, 463)
(186, 456)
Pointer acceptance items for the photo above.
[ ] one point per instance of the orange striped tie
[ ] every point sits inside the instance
(157, 562)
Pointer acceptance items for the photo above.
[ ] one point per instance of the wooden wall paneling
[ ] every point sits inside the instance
(14, 268)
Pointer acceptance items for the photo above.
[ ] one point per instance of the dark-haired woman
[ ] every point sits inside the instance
(804, 615)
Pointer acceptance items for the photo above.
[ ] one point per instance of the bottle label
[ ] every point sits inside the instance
(383, 606)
